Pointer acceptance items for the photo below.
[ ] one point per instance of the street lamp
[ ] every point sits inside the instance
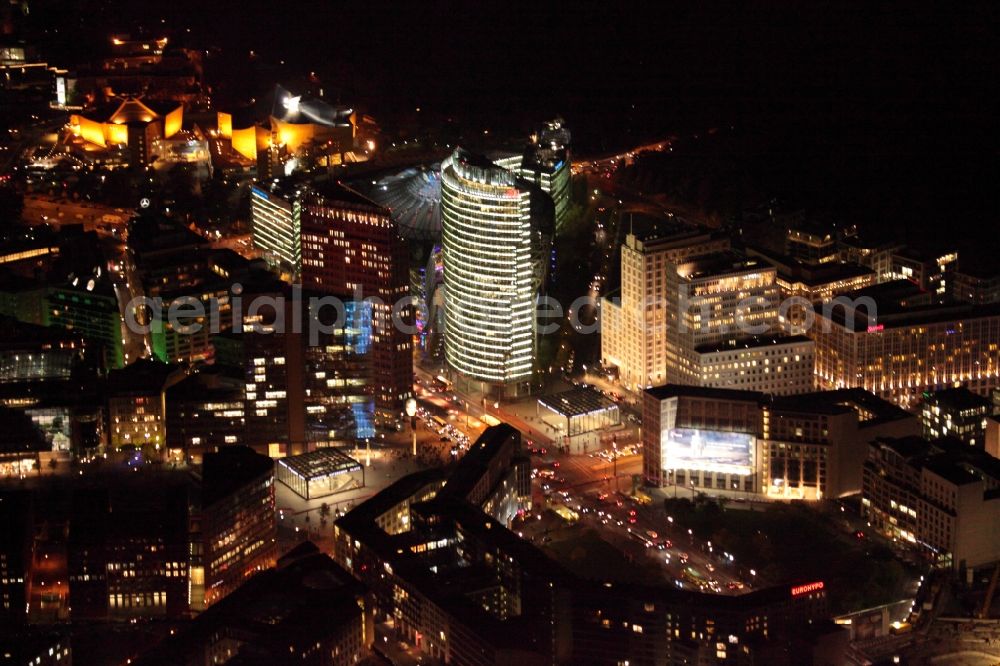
(411, 411)
(614, 459)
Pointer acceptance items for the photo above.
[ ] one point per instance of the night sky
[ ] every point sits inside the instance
(885, 116)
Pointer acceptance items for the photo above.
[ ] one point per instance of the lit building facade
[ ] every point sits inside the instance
(956, 412)
(579, 416)
(669, 407)
(246, 136)
(726, 442)
(932, 273)
(234, 527)
(811, 245)
(296, 123)
(491, 274)
(352, 246)
(815, 282)
(128, 552)
(813, 445)
(205, 411)
(545, 163)
(137, 405)
(30, 353)
(276, 225)
(300, 120)
(634, 321)
(710, 299)
(89, 307)
(929, 493)
(899, 353)
(335, 241)
(779, 365)
(302, 394)
(132, 123)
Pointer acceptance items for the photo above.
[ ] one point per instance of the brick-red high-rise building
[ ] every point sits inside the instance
(351, 245)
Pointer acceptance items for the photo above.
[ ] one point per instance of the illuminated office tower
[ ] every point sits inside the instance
(714, 298)
(336, 241)
(350, 245)
(276, 225)
(545, 162)
(305, 392)
(634, 319)
(493, 225)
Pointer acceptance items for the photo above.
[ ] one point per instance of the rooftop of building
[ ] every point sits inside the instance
(687, 391)
(252, 278)
(948, 457)
(979, 270)
(320, 463)
(895, 292)
(336, 192)
(152, 234)
(81, 390)
(18, 335)
(812, 226)
(475, 464)
(208, 383)
(143, 377)
(871, 409)
(656, 234)
(894, 308)
(479, 169)
(577, 401)
(304, 109)
(957, 398)
(330, 192)
(127, 506)
(229, 468)
(286, 188)
(96, 281)
(950, 469)
(131, 110)
(909, 448)
(752, 342)
(305, 600)
(920, 254)
(812, 275)
(718, 264)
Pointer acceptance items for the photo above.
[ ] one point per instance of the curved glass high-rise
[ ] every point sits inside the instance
(490, 242)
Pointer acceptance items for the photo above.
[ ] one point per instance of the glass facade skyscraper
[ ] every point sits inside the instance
(490, 240)
(276, 225)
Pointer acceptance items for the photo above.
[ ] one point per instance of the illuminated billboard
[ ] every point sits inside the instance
(707, 450)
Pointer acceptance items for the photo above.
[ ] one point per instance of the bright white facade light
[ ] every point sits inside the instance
(490, 290)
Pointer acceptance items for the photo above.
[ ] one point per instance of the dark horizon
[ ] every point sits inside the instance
(872, 115)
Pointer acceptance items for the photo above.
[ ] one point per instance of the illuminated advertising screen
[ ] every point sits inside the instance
(707, 450)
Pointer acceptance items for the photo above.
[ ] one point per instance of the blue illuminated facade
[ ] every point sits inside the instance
(339, 397)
